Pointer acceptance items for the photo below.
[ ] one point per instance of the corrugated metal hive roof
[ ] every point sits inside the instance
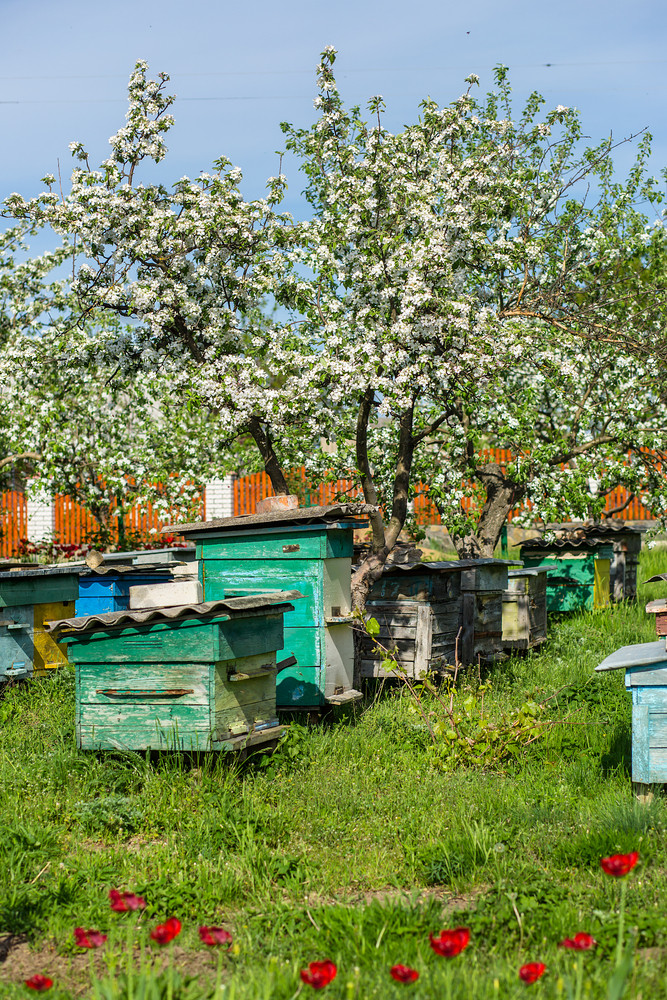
(231, 607)
(299, 515)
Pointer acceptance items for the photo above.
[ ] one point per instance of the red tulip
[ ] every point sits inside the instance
(450, 943)
(580, 942)
(166, 932)
(122, 902)
(619, 864)
(213, 936)
(404, 974)
(319, 974)
(88, 939)
(39, 983)
(531, 972)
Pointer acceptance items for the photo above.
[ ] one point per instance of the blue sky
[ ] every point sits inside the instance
(239, 69)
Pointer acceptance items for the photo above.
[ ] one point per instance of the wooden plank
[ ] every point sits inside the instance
(93, 678)
(336, 587)
(601, 583)
(237, 718)
(39, 589)
(306, 644)
(299, 687)
(657, 728)
(236, 578)
(247, 692)
(143, 737)
(486, 576)
(655, 677)
(640, 747)
(48, 654)
(423, 637)
(427, 586)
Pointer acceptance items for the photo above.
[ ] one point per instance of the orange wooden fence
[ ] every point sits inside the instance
(74, 525)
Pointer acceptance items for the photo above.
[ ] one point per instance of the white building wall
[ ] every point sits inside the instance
(220, 498)
(41, 515)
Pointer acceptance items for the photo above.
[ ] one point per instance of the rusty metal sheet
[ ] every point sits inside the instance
(300, 515)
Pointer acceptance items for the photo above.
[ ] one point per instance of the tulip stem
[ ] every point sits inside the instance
(170, 978)
(218, 976)
(580, 977)
(621, 923)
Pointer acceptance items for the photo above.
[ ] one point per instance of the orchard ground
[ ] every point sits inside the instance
(352, 843)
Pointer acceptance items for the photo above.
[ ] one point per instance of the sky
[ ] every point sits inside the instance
(239, 69)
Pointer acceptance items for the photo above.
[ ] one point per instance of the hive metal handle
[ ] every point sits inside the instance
(138, 693)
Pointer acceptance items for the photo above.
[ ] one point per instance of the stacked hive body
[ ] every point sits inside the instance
(525, 608)
(200, 677)
(578, 571)
(28, 598)
(431, 614)
(308, 549)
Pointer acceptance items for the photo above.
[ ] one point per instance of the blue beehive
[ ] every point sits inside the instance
(645, 666)
(107, 588)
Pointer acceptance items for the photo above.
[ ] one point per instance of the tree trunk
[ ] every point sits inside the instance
(502, 495)
(272, 466)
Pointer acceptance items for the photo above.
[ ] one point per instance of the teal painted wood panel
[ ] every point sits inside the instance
(39, 590)
(126, 680)
(176, 642)
(651, 678)
(306, 644)
(657, 729)
(339, 543)
(235, 578)
(161, 643)
(155, 735)
(288, 543)
(640, 744)
(299, 687)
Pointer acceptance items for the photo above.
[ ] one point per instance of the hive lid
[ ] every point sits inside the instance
(448, 566)
(37, 571)
(299, 515)
(657, 607)
(642, 654)
(230, 608)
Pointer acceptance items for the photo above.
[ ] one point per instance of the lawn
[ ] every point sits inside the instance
(353, 843)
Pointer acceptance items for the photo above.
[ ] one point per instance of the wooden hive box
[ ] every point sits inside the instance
(28, 598)
(200, 677)
(308, 549)
(418, 610)
(659, 609)
(525, 608)
(626, 542)
(483, 583)
(645, 666)
(578, 572)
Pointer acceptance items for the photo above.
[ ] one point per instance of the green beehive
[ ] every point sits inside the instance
(578, 571)
(308, 549)
(28, 596)
(196, 677)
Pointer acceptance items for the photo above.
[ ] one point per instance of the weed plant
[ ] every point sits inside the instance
(350, 843)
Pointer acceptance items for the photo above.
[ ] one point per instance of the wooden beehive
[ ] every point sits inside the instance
(107, 588)
(430, 614)
(626, 543)
(201, 677)
(645, 666)
(309, 549)
(578, 571)
(28, 598)
(659, 609)
(418, 610)
(525, 608)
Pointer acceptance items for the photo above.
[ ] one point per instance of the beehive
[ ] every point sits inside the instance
(308, 549)
(28, 598)
(201, 677)
(578, 571)
(525, 608)
(645, 666)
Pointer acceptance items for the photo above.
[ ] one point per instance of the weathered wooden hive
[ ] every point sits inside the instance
(525, 608)
(645, 666)
(578, 571)
(626, 543)
(308, 549)
(29, 597)
(430, 613)
(198, 677)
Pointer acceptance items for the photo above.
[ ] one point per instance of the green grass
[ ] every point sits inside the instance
(351, 843)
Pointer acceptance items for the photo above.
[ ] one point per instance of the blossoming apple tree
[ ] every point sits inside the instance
(444, 268)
